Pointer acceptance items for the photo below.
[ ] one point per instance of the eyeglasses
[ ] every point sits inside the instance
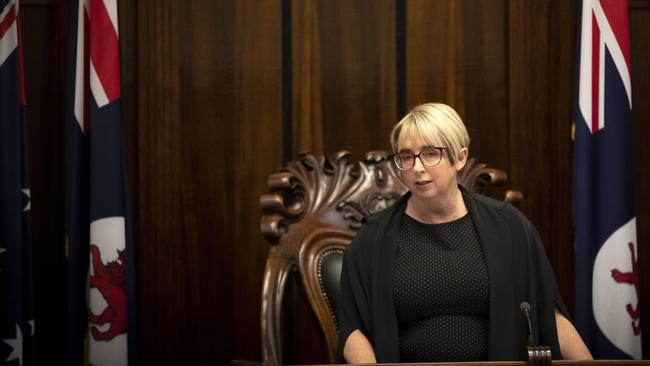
(430, 156)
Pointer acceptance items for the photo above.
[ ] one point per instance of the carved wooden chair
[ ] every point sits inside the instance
(316, 208)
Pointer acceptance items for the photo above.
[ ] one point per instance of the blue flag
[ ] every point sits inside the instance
(101, 276)
(607, 281)
(16, 305)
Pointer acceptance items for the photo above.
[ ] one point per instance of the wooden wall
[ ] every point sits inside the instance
(217, 94)
(44, 31)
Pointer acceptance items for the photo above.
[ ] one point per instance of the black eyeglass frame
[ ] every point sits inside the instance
(417, 156)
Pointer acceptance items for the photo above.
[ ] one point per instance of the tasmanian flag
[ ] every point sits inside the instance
(16, 307)
(607, 281)
(101, 273)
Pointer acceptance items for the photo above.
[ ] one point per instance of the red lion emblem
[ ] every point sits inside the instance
(109, 280)
(631, 278)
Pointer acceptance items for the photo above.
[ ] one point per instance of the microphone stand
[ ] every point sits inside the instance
(536, 355)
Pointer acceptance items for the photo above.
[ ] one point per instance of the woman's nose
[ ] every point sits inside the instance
(417, 165)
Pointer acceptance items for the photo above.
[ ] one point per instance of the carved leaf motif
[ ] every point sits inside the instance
(314, 183)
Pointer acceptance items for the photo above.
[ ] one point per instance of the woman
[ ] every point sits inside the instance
(442, 274)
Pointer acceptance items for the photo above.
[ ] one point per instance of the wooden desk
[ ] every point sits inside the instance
(490, 363)
(525, 363)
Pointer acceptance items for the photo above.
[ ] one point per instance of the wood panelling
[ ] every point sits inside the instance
(202, 93)
(42, 35)
(355, 53)
(307, 87)
(528, 99)
(558, 155)
(639, 18)
(456, 53)
(258, 146)
(540, 82)
(209, 133)
(162, 243)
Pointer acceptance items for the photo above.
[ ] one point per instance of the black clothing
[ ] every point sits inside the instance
(517, 267)
(440, 291)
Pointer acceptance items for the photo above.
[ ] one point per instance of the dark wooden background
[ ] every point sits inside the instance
(218, 93)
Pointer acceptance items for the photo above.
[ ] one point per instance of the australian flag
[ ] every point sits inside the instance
(16, 306)
(101, 273)
(607, 281)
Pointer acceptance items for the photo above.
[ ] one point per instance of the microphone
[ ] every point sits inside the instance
(537, 355)
(525, 308)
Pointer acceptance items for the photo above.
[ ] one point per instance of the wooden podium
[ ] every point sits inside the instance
(491, 363)
(537, 356)
(525, 363)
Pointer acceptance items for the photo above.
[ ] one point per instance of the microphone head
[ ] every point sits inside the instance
(524, 307)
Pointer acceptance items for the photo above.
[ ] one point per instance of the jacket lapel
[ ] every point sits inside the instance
(387, 341)
(496, 242)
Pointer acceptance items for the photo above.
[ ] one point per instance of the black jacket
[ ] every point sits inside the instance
(517, 267)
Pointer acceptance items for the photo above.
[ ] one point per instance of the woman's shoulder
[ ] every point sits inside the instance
(517, 223)
(384, 216)
(502, 209)
(375, 222)
(373, 219)
(373, 227)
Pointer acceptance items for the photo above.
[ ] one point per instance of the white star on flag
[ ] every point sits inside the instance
(17, 346)
(27, 193)
(31, 325)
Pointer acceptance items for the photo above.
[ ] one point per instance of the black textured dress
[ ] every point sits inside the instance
(516, 264)
(441, 292)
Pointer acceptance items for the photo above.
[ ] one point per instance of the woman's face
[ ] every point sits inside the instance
(425, 182)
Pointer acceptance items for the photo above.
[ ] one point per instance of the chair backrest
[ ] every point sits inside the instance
(316, 208)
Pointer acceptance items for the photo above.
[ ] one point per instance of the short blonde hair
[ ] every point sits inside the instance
(437, 124)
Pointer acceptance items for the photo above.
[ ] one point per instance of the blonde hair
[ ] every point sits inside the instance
(436, 124)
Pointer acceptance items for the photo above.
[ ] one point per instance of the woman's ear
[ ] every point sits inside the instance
(462, 158)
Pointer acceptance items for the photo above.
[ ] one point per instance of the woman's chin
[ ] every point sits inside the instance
(424, 192)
